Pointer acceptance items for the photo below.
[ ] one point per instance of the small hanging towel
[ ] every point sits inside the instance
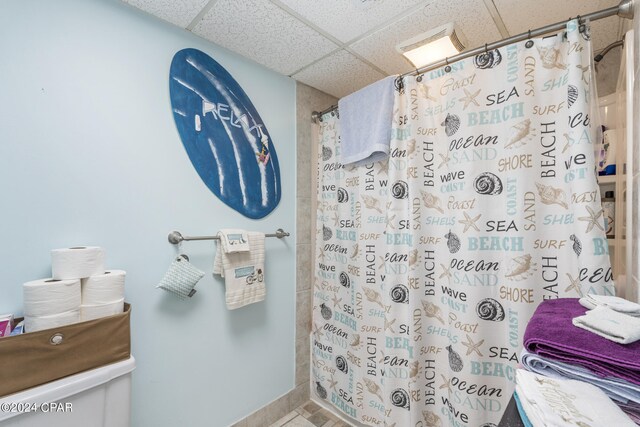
(365, 123)
(243, 272)
(234, 240)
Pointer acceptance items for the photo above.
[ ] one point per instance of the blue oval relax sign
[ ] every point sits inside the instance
(225, 138)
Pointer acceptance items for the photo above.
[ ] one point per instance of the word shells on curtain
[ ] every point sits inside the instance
(431, 263)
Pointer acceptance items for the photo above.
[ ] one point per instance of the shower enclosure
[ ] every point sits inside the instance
(430, 263)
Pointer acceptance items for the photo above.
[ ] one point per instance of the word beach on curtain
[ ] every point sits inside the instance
(431, 263)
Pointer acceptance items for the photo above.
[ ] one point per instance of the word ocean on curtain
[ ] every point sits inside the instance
(431, 263)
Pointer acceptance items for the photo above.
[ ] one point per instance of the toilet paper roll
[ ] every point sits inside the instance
(38, 323)
(103, 288)
(47, 297)
(90, 312)
(77, 262)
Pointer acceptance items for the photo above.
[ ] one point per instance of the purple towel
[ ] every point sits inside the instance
(551, 334)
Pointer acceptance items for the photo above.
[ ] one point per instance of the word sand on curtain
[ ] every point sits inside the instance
(431, 263)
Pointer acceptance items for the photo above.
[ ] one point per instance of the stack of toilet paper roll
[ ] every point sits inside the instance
(79, 290)
(102, 295)
(49, 303)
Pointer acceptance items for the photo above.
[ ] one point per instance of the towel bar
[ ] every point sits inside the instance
(176, 237)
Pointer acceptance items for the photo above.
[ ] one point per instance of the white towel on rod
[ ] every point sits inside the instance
(243, 272)
(366, 117)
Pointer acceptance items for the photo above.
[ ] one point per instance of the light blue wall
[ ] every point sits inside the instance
(89, 154)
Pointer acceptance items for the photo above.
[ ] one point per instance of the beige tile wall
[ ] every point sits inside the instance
(308, 100)
(607, 72)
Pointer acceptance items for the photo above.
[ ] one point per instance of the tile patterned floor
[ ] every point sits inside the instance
(310, 415)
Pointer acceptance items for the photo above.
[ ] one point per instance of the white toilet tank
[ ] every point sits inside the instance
(97, 398)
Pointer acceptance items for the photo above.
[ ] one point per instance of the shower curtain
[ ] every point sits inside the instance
(430, 263)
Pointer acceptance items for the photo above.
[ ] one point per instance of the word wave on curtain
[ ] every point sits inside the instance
(430, 264)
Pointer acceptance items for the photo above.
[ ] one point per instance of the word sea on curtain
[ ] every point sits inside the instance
(431, 263)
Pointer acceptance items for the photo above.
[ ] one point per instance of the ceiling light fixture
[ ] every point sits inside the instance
(432, 46)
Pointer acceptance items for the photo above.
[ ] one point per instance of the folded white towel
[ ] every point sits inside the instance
(366, 117)
(233, 240)
(610, 324)
(614, 303)
(243, 272)
(556, 402)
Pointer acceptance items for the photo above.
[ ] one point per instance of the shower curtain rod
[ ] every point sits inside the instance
(624, 10)
(606, 50)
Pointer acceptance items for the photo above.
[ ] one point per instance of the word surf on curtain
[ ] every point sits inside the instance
(430, 263)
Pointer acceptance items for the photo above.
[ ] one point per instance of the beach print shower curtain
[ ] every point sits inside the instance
(430, 264)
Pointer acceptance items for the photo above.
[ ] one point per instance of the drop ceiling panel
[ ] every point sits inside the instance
(520, 16)
(471, 16)
(604, 32)
(178, 12)
(292, 35)
(347, 19)
(263, 32)
(339, 74)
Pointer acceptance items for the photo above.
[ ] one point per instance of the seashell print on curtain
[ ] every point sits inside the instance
(430, 264)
